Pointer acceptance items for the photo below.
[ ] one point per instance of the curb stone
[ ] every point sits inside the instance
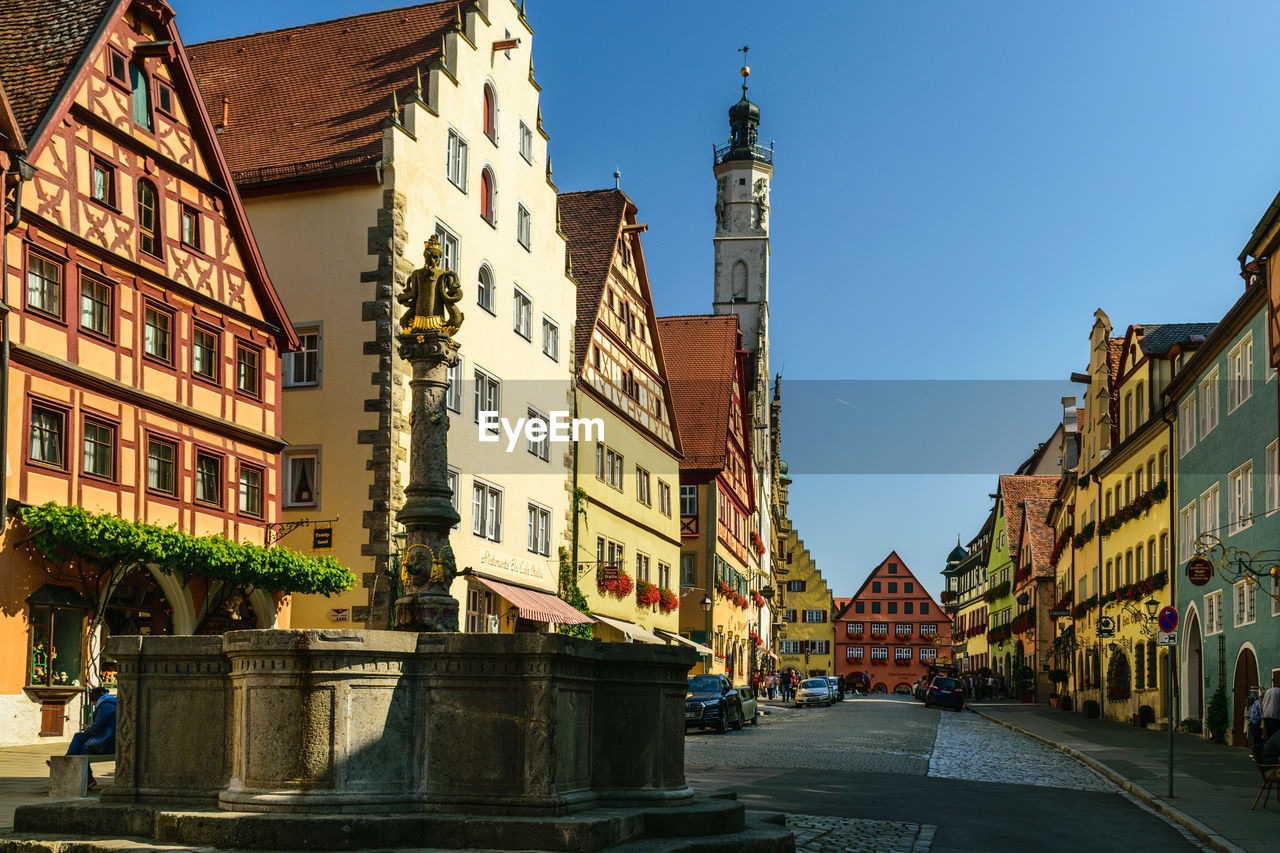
(1202, 832)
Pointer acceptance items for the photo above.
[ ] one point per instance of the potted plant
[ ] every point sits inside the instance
(1215, 717)
(1059, 679)
(1146, 715)
(1191, 726)
(1091, 709)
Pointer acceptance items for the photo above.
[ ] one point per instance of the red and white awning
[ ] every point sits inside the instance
(535, 605)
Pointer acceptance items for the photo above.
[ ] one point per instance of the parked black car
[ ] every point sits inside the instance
(711, 702)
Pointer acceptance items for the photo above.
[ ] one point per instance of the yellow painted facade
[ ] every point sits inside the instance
(804, 600)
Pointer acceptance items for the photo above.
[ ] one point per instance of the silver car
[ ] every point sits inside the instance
(750, 711)
(814, 691)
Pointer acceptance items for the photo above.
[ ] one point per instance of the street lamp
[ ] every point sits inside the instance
(1152, 606)
(706, 604)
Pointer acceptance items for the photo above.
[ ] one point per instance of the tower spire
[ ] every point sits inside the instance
(746, 69)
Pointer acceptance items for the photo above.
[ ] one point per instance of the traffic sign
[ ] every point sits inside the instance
(1167, 638)
(1167, 619)
(1199, 570)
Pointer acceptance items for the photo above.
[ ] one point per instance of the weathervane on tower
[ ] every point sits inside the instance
(746, 69)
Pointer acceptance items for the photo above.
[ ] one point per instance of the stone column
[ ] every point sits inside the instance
(428, 514)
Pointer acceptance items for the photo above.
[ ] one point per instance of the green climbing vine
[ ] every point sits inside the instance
(65, 533)
(572, 596)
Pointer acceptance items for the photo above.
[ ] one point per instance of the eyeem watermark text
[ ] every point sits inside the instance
(558, 428)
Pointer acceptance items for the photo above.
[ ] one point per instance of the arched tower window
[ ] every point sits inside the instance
(490, 113)
(487, 208)
(739, 282)
(141, 95)
(148, 218)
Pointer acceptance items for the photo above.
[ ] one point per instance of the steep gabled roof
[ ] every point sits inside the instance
(41, 42)
(11, 136)
(310, 100)
(1039, 535)
(702, 365)
(1156, 339)
(1015, 491)
(591, 221)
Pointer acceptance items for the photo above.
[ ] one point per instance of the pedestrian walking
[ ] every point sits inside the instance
(1270, 711)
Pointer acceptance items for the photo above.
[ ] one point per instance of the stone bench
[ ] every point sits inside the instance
(69, 774)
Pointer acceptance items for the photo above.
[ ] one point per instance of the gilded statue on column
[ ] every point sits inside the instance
(432, 294)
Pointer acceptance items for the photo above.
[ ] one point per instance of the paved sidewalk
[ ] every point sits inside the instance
(1213, 785)
(24, 778)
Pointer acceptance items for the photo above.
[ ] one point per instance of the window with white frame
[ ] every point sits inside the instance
(450, 248)
(879, 629)
(550, 339)
(541, 447)
(928, 654)
(612, 466)
(301, 478)
(1208, 400)
(789, 647)
(1245, 599)
(522, 314)
(302, 368)
(879, 653)
(484, 289)
(486, 511)
(1240, 498)
(526, 142)
(1187, 424)
(664, 576)
(819, 647)
(524, 226)
(1273, 476)
(642, 567)
(456, 163)
(453, 477)
(902, 653)
(488, 396)
(539, 536)
(928, 630)
(1209, 510)
(688, 500)
(815, 615)
(642, 486)
(1240, 373)
(664, 499)
(453, 393)
(1213, 612)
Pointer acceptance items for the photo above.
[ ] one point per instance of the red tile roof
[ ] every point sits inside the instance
(1014, 492)
(701, 354)
(40, 41)
(1039, 535)
(11, 137)
(591, 222)
(310, 100)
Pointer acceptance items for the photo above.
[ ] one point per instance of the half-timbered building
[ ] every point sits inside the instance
(142, 338)
(721, 548)
(626, 535)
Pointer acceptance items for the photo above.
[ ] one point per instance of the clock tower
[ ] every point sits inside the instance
(744, 170)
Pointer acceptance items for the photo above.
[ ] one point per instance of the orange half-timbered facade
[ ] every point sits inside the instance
(143, 337)
(721, 550)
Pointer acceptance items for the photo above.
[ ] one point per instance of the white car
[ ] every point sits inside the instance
(750, 711)
(814, 691)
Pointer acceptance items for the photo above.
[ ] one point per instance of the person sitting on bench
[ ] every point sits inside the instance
(98, 737)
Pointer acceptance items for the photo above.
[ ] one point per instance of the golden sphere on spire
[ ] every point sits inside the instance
(746, 71)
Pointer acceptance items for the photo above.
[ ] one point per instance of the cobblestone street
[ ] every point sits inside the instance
(884, 773)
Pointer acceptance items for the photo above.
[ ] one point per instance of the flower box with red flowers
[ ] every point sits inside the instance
(757, 599)
(646, 593)
(619, 588)
(757, 543)
(667, 600)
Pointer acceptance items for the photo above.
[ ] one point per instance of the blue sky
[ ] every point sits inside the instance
(958, 186)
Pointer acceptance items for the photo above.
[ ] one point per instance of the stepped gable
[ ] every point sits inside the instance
(310, 100)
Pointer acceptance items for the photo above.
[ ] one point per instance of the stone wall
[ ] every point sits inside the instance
(377, 721)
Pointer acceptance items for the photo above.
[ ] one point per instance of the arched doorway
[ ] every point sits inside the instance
(1246, 677)
(880, 688)
(1193, 670)
(903, 689)
(1119, 677)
